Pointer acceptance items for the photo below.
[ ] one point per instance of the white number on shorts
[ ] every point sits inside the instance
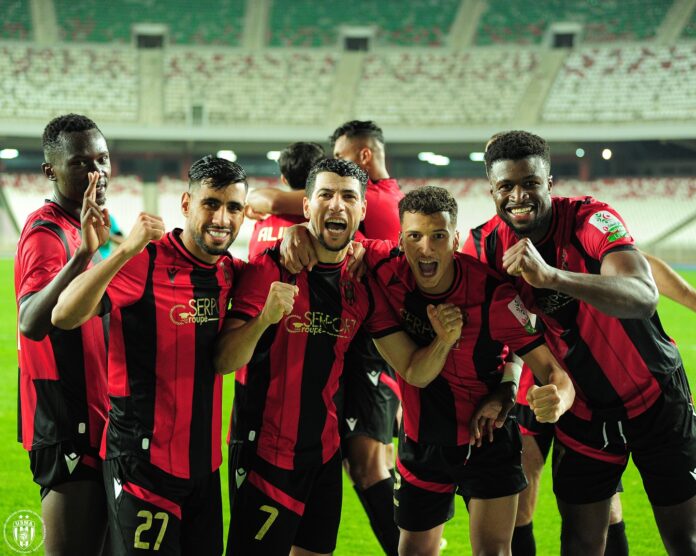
(163, 516)
(272, 515)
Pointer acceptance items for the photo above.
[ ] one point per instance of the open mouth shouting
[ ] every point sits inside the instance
(336, 227)
(427, 268)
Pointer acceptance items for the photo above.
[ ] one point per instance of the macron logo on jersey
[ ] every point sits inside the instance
(374, 377)
(519, 311)
(609, 225)
(352, 421)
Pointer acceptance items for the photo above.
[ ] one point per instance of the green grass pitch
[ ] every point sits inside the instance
(17, 491)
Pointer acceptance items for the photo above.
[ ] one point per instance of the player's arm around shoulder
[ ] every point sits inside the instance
(557, 394)
(238, 338)
(81, 300)
(420, 366)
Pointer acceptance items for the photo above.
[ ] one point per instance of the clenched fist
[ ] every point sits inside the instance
(279, 302)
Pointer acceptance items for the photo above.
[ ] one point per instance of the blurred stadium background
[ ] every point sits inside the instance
(612, 85)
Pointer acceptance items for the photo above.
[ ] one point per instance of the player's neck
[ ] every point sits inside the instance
(68, 205)
(377, 172)
(325, 255)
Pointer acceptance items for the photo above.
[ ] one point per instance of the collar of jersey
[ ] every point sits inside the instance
(174, 238)
(74, 221)
(329, 266)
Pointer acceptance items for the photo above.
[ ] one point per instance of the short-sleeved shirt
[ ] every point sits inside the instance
(267, 232)
(615, 363)
(167, 307)
(494, 316)
(285, 399)
(62, 378)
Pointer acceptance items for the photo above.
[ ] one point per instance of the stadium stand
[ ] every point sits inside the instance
(628, 83)
(437, 88)
(689, 31)
(16, 20)
(38, 83)
(209, 22)
(278, 88)
(309, 23)
(523, 22)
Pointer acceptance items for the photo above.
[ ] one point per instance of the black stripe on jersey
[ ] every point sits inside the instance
(56, 229)
(487, 349)
(136, 413)
(438, 399)
(395, 252)
(66, 399)
(476, 237)
(492, 247)
(205, 285)
(324, 297)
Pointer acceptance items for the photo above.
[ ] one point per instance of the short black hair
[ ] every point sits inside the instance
(297, 159)
(344, 168)
(516, 145)
(68, 123)
(219, 171)
(429, 200)
(358, 128)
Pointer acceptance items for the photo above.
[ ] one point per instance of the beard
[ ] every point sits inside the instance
(198, 239)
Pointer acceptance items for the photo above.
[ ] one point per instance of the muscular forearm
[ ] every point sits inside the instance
(235, 346)
(81, 299)
(629, 297)
(270, 200)
(426, 363)
(35, 312)
(671, 284)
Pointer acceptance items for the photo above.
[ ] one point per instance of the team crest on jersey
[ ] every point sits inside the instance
(609, 225)
(519, 311)
(348, 291)
(172, 271)
(226, 274)
(199, 310)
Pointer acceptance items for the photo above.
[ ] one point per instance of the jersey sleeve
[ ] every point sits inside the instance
(251, 287)
(601, 230)
(510, 321)
(128, 285)
(381, 321)
(40, 257)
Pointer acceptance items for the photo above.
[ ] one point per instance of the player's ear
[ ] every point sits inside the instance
(365, 156)
(401, 241)
(305, 207)
(550, 182)
(185, 203)
(364, 209)
(48, 171)
(456, 240)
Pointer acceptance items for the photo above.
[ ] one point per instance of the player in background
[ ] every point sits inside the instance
(370, 393)
(168, 296)
(62, 375)
(576, 267)
(295, 162)
(294, 331)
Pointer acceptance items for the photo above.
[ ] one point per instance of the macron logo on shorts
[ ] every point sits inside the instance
(351, 423)
(117, 488)
(693, 473)
(71, 461)
(374, 377)
(239, 476)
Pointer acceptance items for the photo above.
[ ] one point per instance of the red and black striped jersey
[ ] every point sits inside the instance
(285, 400)
(167, 307)
(615, 363)
(494, 316)
(267, 232)
(382, 216)
(62, 378)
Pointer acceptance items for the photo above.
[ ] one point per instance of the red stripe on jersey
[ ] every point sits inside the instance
(588, 451)
(89, 461)
(384, 378)
(276, 494)
(152, 498)
(440, 488)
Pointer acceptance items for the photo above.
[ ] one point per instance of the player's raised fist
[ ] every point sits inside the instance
(147, 228)
(523, 259)
(546, 402)
(447, 321)
(279, 302)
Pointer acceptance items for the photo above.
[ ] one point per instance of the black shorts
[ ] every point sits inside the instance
(62, 463)
(542, 433)
(590, 456)
(272, 509)
(150, 510)
(429, 476)
(370, 393)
